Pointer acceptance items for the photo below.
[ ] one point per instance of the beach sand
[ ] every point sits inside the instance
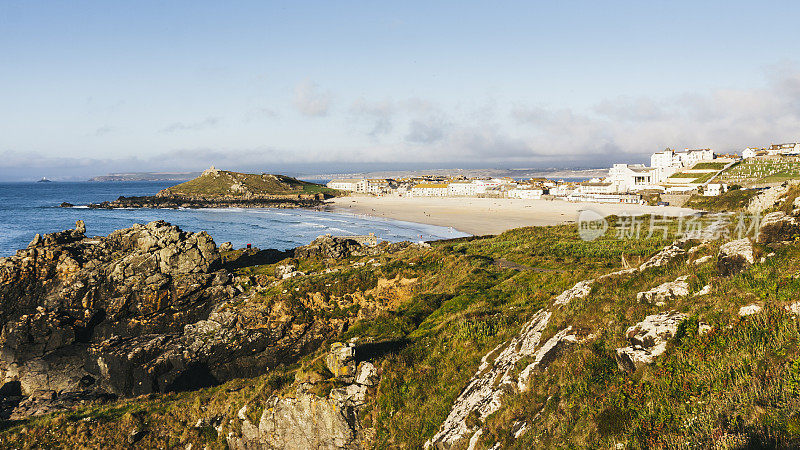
(480, 216)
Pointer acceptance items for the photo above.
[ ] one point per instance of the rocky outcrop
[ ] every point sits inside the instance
(184, 201)
(777, 227)
(666, 255)
(145, 309)
(648, 340)
(493, 379)
(667, 291)
(580, 290)
(331, 247)
(303, 420)
(735, 256)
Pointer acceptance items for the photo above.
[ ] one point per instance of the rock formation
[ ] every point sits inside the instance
(648, 340)
(145, 309)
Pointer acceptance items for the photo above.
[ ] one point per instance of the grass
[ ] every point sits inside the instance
(763, 170)
(731, 201)
(709, 166)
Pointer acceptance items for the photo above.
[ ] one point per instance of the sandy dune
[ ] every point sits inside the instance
(480, 216)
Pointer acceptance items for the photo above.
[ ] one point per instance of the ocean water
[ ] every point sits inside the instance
(30, 208)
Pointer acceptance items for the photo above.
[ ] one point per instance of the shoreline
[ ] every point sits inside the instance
(482, 216)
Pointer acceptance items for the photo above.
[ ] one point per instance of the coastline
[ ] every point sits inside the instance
(482, 216)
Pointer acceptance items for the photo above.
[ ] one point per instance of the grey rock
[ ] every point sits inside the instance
(648, 340)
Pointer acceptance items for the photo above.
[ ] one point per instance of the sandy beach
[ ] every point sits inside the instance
(479, 216)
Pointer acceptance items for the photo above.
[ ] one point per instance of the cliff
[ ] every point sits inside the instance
(531, 339)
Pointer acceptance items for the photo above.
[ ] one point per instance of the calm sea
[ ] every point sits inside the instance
(30, 208)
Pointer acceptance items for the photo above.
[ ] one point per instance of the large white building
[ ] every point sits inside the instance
(630, 177)
(462, 189)
(668, 162)
(429, 190)
(344, 185)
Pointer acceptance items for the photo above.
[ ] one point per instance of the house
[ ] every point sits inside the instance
(373, 186)
(784, 149)
(350, 185)
(429, 190)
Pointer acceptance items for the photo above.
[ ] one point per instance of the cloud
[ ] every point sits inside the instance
(310, 101)
(378, 115)
(102, 131)
(191, 126)
(426, 131)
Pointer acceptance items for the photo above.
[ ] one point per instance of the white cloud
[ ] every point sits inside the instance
(191, 126)
(310, 101)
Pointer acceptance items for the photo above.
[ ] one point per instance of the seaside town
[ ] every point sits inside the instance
(671, 172)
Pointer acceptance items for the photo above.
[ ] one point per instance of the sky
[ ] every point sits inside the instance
(92, 87)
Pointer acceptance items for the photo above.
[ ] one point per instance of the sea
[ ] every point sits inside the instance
(30, 208)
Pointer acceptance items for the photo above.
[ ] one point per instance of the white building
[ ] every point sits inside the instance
(668, 162)
(750, 152)
(481, 186)
(631, 177)
(344, 185)
(530, 194)
(784, 149)
(429, 190)
(462, 189)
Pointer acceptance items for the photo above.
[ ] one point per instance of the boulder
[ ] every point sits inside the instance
(666, 291)
(341, 361)
(367, 374)
(735, 256)
(330, 247)
(749, 310)
(663, 257)
(648, 339)
(226, 247)
(580, 290)
(776, 227)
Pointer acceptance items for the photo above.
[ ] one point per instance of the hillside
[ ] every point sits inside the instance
(531, 339)
(222, 183)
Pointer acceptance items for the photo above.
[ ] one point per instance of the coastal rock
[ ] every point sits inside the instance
(735, 256)
(776, 227)
(580, 290)
(648, 340)
(341, 361)
(663, 257)
(660, 295)
(749, 310)
(330, 247)
(226, 247)
(493, 379)
(145, 309)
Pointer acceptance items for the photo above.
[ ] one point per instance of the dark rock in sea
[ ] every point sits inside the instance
(66, 205)
(181, 201)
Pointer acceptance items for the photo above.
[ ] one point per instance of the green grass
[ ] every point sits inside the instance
(731, 201)
(709, 166)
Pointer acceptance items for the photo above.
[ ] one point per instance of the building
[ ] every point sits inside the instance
(784, 149)
(429, 190)
(350, 185)
(631, 177)
(668, 162)
(529, 194)
(462, 189)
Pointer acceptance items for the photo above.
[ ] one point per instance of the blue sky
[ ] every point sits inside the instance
(92, 87)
